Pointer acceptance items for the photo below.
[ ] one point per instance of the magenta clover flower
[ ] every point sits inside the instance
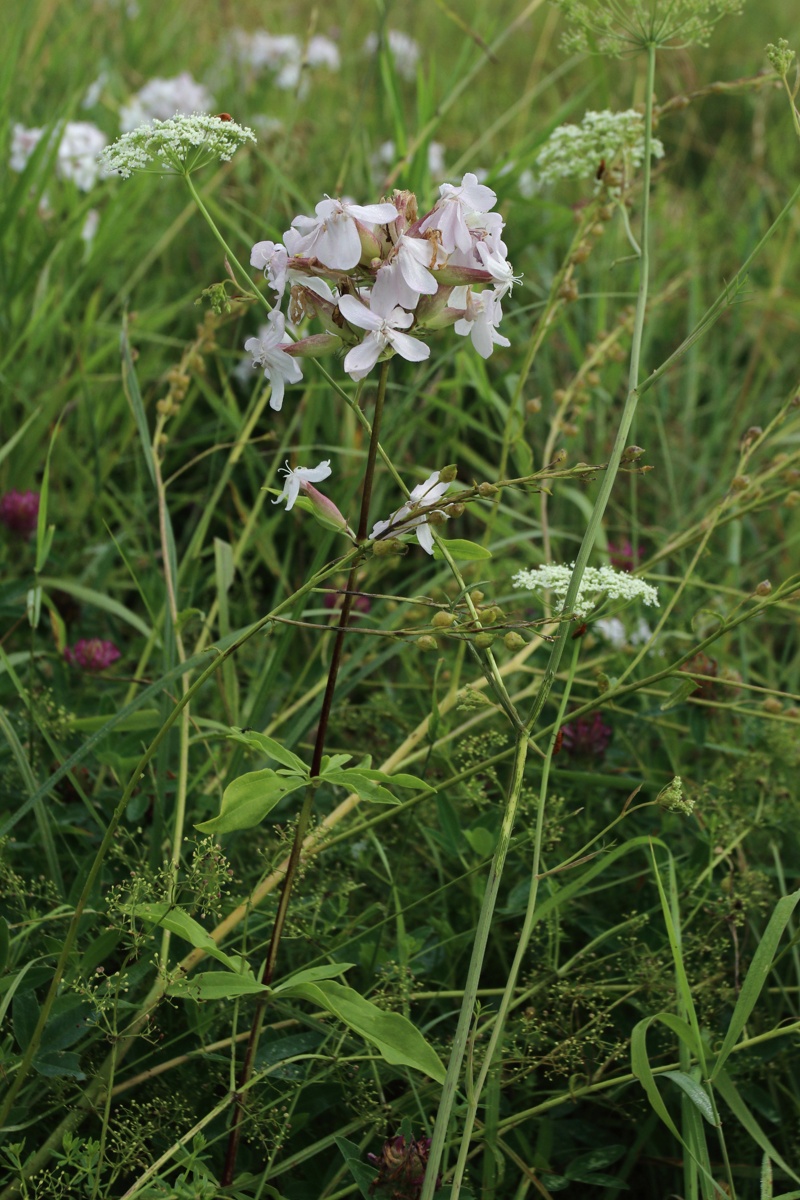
(92, 654)
(19, 512)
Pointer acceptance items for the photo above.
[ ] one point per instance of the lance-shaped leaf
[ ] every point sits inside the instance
(215, 985)
(183, 926)
(249, 799)
(269, 747)
(312, 975)
(396, 1039)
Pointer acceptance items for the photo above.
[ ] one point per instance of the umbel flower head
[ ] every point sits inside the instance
(596, 582)
(576, 151)
(618, 27)
(179, 145)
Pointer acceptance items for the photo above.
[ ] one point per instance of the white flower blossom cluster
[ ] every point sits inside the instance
(403, 49)
(283, 54)
(606, 139)
(377, 275)
(163, 98)
(79, 143)
(181, 144)
(597, 581)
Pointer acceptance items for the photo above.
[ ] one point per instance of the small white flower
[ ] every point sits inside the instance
(279, 367)
(453, 209)
(297, 478)
(416, 256)
(414, 514)
(596, 581)
(181, 144)
(332, 236)
(384, 329)
(483, 315)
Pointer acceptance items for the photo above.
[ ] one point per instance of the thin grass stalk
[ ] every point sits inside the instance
(524, 937)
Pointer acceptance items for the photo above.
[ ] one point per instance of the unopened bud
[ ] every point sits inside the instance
(426, 642)
(514, 641)
(477, 597)
(487, 489)
(389, 546)
(533, 406)
(772, 705)
(740, 483)
(448, 473)
(442, 619)
(455, 510)
(755, 431)
(631, 453)
(593, 378)
(764, 588)
(484, 640)
(568, 290)
(436, 517)
(792, 500)
(581, 252)
(559, 457)
(491, 614)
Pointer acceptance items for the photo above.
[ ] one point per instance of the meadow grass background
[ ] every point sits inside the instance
(396, 892)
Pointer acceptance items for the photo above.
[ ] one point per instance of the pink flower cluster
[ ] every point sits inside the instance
(92, 654)
(379, 277)
(19, 512)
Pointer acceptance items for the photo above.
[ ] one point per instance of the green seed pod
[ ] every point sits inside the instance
(442, 619)
(426, 642)
(484, 640)
(514, 641)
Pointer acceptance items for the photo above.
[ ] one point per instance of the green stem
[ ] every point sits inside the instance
(234, 1136)
(524, 938)
(231, 257)
(632, 399)
(474, 973)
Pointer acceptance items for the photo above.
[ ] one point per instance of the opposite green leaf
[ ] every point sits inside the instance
(367, 789)
(249, 799)
(312, 975)
(215, 985)
(393, 1035)
(269, 747)
(183, 926)
(462, 549)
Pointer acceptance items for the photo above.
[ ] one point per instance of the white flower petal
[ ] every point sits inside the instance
(362, 358)
(410, 348)
(425, 537)
(356, 313)
(372, 214)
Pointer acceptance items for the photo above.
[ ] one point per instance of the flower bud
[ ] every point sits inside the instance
(426, 642)
(631, 454)
(325, 510)
(487, 489)
(740, 483)
(436, 517)
(514, 641)
(558, 458)
(772, 705)
(477, 597)
(448, 473)
(388, 546)
(533, 406)
(443, 619)
(764, 588)
(455, 510)
(491, 614)
(484, 640)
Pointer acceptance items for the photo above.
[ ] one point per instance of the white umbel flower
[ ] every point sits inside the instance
(576, 151)
(596, 582)
(164, 98)
(180, 145)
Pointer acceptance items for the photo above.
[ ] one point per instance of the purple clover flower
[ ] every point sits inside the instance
(19, 512)
(92, 654)
(586, 737)
(401, 1166)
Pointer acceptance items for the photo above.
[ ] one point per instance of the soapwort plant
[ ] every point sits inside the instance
(367, 288)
